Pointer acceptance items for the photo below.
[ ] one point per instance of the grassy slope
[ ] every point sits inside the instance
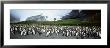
(60, 22)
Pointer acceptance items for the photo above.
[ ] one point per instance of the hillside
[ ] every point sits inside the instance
(69, 22)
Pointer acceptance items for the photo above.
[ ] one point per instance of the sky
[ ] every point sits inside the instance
(23, 14)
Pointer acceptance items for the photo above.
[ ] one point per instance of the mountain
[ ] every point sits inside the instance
(36, 18)
(92, 16)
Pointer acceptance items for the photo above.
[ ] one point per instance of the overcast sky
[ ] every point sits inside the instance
(51, 14)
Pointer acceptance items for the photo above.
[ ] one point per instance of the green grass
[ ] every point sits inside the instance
(59, 22)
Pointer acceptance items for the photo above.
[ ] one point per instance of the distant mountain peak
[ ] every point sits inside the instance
(36, 18)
